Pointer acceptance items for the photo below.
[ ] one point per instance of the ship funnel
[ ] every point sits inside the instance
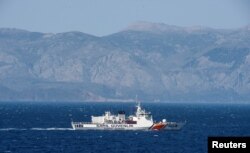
(121, 116)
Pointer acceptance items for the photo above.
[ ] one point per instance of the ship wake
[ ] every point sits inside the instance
(36, 129)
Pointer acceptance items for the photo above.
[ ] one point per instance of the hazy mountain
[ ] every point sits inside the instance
(158, 62)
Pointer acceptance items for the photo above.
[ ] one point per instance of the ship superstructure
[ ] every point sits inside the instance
(141, 120)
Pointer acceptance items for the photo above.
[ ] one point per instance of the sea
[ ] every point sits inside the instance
(44, 127)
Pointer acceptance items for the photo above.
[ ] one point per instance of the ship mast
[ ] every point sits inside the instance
(138, 110)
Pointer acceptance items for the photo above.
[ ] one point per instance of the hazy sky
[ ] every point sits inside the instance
(102, 17)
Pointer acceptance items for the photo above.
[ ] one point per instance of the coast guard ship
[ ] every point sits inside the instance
(141, 120)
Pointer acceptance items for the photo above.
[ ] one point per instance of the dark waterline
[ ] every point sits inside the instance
(45, 127)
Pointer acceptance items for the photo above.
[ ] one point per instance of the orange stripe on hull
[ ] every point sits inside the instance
(158, 126)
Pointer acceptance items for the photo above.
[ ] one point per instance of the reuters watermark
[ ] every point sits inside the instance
(228, 144)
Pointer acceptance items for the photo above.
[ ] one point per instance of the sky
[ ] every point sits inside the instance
(103, 17)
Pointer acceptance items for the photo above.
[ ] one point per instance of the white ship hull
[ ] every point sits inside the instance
(142, 120)
(92, 126)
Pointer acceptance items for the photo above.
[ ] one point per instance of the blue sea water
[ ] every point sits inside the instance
(45, 127)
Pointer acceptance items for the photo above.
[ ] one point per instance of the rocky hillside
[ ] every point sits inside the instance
(157, 62)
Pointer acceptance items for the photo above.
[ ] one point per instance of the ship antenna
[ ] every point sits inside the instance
(137, 102)
(138, 106)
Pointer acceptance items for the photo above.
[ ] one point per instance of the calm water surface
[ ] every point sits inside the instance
(45, 127)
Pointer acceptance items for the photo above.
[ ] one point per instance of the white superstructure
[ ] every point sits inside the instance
(142, 120)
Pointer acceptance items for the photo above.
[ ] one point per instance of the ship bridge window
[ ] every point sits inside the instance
(148, 116)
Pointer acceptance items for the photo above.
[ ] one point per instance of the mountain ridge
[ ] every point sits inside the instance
(208, 65)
